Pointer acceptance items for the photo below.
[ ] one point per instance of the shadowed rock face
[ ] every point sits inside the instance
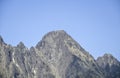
(1, 41)
(110, 65)
(57, 55)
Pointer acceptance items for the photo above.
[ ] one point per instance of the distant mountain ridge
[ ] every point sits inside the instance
(57, 55)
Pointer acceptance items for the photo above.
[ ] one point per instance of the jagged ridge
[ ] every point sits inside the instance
(57, 55)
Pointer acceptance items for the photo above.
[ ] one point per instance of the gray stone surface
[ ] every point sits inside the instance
(110, 65)
(57, 55)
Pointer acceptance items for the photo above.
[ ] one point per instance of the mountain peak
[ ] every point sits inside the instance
(21, 45)
(107, 55)
(110, 64)
(59, 31)
(108, 59)
(53, 37)
(56, 33)
(63, 52)
(1, 40)
(57, 55)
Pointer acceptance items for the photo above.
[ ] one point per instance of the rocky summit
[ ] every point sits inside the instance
(110, 65)
(57, 55)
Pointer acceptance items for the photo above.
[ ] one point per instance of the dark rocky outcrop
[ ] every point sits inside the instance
(57, 55)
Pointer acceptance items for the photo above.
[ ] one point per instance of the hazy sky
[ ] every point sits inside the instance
(94, 24)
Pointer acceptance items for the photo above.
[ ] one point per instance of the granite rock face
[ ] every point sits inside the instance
(110, 65)
(57, 55)
(19, 62)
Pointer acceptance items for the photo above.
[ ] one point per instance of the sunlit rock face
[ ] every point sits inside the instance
(67, 57)
(57, 55)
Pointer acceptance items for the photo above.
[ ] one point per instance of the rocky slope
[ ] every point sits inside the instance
(110, 65)
(57, 55)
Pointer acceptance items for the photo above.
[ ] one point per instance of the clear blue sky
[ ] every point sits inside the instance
(94, 24)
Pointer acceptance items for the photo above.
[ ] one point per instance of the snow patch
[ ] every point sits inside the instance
(34, 71)
(14, 60)
(13, 57)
